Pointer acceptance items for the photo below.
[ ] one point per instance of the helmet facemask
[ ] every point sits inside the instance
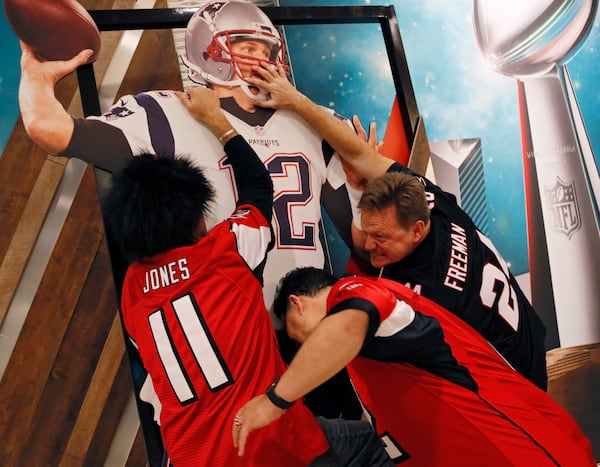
(221, 50)
(209, 40)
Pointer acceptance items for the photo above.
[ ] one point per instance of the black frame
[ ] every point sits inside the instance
(169, 18)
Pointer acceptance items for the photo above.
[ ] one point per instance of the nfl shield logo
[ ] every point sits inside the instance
(561, 199)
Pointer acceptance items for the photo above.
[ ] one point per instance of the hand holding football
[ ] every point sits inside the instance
(54, 29)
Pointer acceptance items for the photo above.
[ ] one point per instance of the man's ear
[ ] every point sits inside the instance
(418, 231)
(296, 302)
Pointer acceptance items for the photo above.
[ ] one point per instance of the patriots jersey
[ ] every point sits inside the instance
(438, 394)
(196, 315)
(156, 122)
(460, 269)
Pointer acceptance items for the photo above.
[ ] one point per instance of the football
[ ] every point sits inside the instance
(54, 29)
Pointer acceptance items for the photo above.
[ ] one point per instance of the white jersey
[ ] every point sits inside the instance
(156, 122)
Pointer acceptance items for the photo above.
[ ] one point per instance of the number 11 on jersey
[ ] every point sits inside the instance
(201, 344)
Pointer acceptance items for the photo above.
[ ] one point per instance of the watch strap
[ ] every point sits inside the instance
(275, 399)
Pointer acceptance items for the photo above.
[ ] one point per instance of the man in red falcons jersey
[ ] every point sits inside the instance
(192, 305)
(436, 392)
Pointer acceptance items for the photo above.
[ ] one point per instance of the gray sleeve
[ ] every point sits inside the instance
(99, 144)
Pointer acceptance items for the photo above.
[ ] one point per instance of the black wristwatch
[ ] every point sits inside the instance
(275, 399)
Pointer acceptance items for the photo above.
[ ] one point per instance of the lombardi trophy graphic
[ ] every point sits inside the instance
(532, 41)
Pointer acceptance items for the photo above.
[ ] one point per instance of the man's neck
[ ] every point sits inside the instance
(238, 95)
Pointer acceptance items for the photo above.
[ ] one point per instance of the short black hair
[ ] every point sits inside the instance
(155, 204)
(307, 281)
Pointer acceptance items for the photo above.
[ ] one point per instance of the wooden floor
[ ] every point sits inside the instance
(66, 384)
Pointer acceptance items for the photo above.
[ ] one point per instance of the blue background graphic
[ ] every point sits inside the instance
(458, 95)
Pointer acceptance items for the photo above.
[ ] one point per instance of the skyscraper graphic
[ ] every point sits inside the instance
(458, 168)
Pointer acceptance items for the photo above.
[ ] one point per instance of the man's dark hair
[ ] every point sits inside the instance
(155, 204)
(307, 281)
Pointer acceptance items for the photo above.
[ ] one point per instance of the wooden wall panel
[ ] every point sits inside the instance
(156, 48)
(49, 317)
(21, 164)
(138, 455)
(21, 232)
(107, 371)
(68, 380)
(73, 378)
(108, 422)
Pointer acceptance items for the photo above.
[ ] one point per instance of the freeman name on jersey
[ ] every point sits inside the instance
(456, 275)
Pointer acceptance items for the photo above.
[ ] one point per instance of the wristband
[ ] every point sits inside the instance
(275, 399)
(226, 134)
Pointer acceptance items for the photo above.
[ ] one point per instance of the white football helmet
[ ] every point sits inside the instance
(208, 38)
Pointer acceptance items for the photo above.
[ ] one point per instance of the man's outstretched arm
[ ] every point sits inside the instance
(46, 121)
(358, 153)
(329, 348)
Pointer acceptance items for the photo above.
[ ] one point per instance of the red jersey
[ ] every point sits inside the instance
(197, 316)
(439, 394)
